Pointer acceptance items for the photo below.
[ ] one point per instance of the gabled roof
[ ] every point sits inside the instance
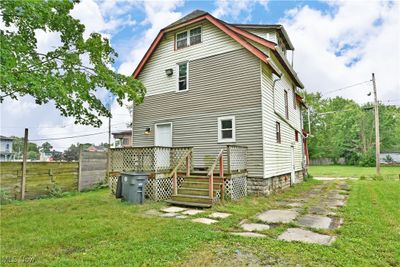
(281, 30)
(235, 33)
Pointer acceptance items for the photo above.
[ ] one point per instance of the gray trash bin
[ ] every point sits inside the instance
(133, 186)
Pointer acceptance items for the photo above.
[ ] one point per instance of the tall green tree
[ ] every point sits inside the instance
(61, 75)
(46, 147)
(341, 128)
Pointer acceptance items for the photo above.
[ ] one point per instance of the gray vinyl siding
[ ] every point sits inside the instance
(214, 41)
(277, 156)
(227, 84)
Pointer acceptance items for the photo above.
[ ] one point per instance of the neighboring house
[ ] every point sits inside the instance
(390, 157)
(124, 138)
(210, 83)
(6, 152)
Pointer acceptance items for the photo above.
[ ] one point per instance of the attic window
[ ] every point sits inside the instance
(195, 36)
(188, 38)
(181, 40)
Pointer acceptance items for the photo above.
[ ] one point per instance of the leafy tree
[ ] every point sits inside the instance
(343, 128)
(18, 147)
(46, 147)
(70, 74)
(32, 155)
(56, 155)
(72, 153)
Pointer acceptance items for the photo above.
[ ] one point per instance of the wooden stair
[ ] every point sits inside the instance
(193, 192)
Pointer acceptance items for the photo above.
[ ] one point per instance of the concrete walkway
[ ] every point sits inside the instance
(308, 214)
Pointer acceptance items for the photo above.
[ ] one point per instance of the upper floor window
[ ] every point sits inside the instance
(188, 37)
(286, 105)
(226, 129)
(294, 97)
(278, 132)
(183, 76)
(296, 135)
(181, 40)
(195, 36)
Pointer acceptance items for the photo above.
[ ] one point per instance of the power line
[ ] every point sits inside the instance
(345, 87)
(67, 137)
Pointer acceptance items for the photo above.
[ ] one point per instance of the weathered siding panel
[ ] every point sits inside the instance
(277, 157)
(221, 85)
(214, 41)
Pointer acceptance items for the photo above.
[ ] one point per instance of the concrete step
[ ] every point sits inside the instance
(192, 199)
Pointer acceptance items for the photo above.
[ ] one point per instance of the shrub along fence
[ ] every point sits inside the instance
(45, 178)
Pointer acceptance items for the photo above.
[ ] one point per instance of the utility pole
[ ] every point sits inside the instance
(24, 159)
(377, 138)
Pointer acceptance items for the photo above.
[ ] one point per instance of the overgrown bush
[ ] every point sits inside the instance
(362, 177)
(55, 191)
(367, 159)
(4, 197)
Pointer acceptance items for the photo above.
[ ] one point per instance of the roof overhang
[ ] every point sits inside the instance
(220, 25)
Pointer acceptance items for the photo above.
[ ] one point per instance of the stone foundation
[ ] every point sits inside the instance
(266, 186)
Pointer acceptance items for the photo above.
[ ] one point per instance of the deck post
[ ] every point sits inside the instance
(175, 184)
(228, 150)
(221, 166)
(211, 186)
(188, 165)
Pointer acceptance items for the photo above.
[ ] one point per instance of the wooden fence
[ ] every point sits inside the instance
(41, 177)
(92, 169)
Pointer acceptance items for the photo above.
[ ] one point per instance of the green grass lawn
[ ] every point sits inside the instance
(94, 229)
(389, 172)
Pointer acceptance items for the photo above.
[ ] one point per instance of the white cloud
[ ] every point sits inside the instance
(341, 48)
(158, 15)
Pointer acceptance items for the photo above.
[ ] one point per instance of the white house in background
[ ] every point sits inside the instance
(211, 84)
(6, 150)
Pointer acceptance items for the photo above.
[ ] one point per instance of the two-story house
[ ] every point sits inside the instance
(211, 84)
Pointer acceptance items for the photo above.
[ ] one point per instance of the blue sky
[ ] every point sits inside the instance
(337, 43)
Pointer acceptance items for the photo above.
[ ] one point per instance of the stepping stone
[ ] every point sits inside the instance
(250, 227)
(295, 205)
(204, 220)
(333, 204)
(278, 216)
(336, 196)
(169, 214)
(315, 221)
(152, 213)
(249, 234)
(173, 209)
(301, 235)
(219, 215)
(320, 211)
(181, 217)
(192, 212)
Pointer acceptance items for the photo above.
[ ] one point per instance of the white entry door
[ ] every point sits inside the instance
(293, 167)
(162, 138)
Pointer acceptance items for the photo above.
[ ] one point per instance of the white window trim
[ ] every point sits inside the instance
(155, 131)
(225, 140)
(188, 37)
(177, 76)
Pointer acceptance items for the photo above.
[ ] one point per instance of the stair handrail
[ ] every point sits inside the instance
(174, 172)
(220, 159)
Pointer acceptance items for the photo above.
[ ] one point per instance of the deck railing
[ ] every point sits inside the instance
(220, 161)
(154, 159)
